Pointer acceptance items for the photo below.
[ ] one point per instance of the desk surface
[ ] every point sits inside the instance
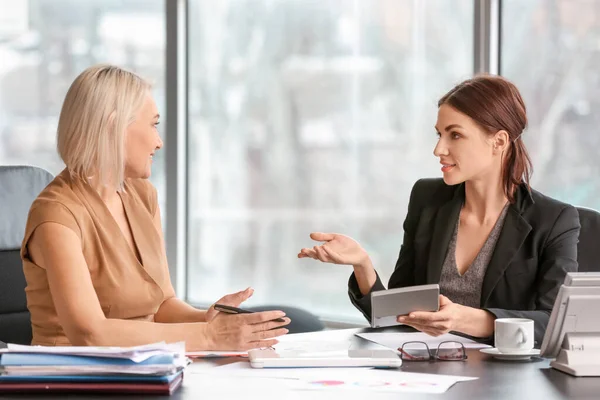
(497, 380)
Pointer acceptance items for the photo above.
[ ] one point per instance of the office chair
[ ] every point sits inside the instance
(19, 186)
(588, 249)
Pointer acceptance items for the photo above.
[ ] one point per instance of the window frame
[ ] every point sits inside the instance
(486, 56)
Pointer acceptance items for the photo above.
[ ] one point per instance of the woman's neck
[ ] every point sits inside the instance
(107, 193)
(484, 200)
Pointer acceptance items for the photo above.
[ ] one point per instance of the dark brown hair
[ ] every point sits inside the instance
(495, 104)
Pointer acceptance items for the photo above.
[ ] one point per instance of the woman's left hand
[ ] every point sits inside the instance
(233, 300)
(448, 318)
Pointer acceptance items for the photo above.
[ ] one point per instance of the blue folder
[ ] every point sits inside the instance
(31, 359)
(90, 378)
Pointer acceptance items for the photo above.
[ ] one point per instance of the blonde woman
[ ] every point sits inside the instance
(93, 252)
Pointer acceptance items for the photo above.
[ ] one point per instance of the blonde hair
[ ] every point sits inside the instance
(100, 104)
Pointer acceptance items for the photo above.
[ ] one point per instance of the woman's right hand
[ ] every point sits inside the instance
(337, 249)
(241, 332)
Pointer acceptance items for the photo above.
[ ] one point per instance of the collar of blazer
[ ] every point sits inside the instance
(513, 234)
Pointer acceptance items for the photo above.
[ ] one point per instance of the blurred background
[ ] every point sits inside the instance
(305, 115)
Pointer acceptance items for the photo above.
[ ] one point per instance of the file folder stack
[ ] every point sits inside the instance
(150, 369)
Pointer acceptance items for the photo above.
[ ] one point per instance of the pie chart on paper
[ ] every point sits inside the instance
(327, 383)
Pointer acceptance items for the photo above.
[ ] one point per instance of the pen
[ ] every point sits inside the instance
(235, 310)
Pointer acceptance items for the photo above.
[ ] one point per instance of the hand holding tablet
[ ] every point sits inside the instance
(387, 305)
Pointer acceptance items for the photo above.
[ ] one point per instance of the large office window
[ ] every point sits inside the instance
(310, 115)
(45, 44)
(557, 70)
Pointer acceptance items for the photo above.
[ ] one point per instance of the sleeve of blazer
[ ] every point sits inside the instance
(403, 272)
(559, 257)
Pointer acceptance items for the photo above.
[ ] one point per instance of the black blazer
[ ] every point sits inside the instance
(535, 250)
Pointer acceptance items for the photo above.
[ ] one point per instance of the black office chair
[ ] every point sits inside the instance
(19, 186)
(301, 320)
(588, 249)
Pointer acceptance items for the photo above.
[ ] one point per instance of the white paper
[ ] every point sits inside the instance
(243, 369)
(395, 340)
(311, 348)
(315, 344)
(335, 379)
(380, 381)
(223, 387)
(334, 335)
(334, 341)
(135, 354)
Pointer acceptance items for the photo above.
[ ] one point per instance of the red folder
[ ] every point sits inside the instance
(92, 387)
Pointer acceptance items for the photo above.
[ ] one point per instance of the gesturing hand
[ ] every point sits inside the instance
(337, 249)
(242, 332)
(233, 299)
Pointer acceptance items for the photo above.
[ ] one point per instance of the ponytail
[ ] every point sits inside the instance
(517, 169)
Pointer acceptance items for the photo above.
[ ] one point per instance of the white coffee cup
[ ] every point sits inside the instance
(514, 335)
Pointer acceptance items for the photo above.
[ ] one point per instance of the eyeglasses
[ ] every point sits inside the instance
(446, 351)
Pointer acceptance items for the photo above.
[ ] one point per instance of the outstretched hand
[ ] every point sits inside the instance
(337, 249)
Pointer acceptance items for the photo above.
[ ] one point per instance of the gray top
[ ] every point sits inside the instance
(466, 289)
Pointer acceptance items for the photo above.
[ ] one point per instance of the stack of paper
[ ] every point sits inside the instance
(395, 340)
(152, 369)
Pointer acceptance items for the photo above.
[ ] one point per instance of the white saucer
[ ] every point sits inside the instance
(510, 356)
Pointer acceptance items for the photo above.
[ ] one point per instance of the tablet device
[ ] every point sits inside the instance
(386, 305)
(270, 358)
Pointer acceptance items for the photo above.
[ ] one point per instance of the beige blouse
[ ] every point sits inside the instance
(126, 288)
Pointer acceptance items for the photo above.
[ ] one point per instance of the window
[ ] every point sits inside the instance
(310, 115)
(557, 70)
(45, 44)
